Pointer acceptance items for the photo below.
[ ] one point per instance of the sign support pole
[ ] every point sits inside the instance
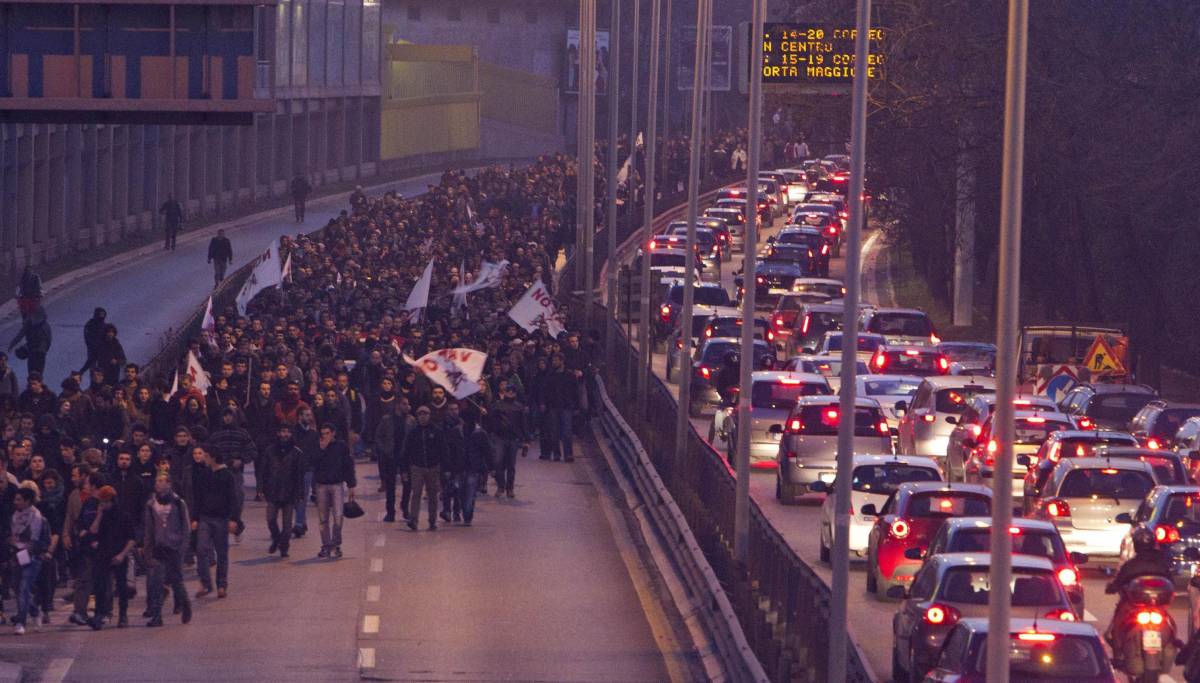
(614, 96)
(648, 212)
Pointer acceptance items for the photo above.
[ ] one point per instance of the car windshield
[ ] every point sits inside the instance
(971, 585)
(704, 236)
(823, 420)
(732, 327)
(782, 395)
(1166, 470)
(831, 289)
(969, 353)
(790, 303)
(1034, 430)
(1064, 658)
(949, 504)
(1170, 420)
(885, 478)
(668, 260)
(1182, 510)
(831, 367)
(954, 401)
(705, 296)
(812, 218)
(1038, 543)
(907, 362)
(790, 253)
(891, 387)
(1117, 409)
(901, 324)
(1107, 482)
(806, 239)
(865, 344)
(819, 323)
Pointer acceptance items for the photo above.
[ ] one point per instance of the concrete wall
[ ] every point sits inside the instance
(70, 188)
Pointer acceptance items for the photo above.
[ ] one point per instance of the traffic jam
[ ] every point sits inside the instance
(1106, 528)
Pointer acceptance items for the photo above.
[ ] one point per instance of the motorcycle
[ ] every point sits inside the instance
(1144, 639)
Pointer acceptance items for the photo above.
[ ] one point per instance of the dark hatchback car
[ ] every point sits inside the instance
(1107, 406)
(772, 280)
(819, 249)
(1040, 650)
(1156, 423)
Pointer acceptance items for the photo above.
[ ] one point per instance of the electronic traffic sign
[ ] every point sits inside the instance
(813, 53)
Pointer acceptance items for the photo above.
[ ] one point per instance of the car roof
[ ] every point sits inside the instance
(822, 308)
(1089, 433)
(821, 281)
(859, 401)
(778, 265)
(1113, 388)
(732, 340)
(922, 486)
(838, 333)
(1134, 451)
(956, 523)
(777, 375)
(669, 251)
(905, 348)
(907, 311)
(1174, 488)
(860, 459)
(959, 381)
(985, 560)
(1095, 463)
(798, 229)
(889, 378)
(979, 625)
(1173, 405)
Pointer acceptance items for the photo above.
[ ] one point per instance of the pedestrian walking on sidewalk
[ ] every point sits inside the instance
(508, 416)
(561, 396)
(453, 463)
(333, 474)
(167, 530)
(114, 537)
(172, 213)
(30, 540)
(216, 518)
(300, 190)
(424, 448)
(35, 330)
(477, 456)
(389, 446)
(283, 486)
(220, 253)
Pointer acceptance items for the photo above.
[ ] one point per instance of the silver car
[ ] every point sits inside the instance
(900, 326)
(808, 447)
(926, 422)
(773, 394)
(891, 391)
(1086, 499)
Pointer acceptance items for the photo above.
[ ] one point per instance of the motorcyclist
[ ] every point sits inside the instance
(729, 376)
(1148, 560)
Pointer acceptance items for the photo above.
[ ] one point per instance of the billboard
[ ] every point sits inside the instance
(722, 57)
(816, 54)
(571, 82)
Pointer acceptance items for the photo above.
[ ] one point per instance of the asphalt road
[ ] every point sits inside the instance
(536, 590)
(148, 295)
(870, 619)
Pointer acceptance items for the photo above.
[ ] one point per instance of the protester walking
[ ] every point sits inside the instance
(453, 464)
(216, 518)
(167, 528)
(220, 253)
(561, 396)
(35, 330)
(300, 188)
(283, 487)
(172, 213)
(424, 448)
(477, 454)
(334, 479)
(508, 417)
(29, 536)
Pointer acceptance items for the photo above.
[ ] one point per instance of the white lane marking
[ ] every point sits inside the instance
(57, 670)
(366, 658)
(380, 541)
(1088, 616)
(370, 623)
(373, 593)
(377, 565)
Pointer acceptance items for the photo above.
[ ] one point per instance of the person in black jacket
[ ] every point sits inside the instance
(424, 449)
(453, 463)
(108, 357)
(113, 542)
(220, 253)
(333, 473)
(93, 335)
(35, 330)
(477, 455)
(560, 396)
(216, 517)
(282, 472)
(307, 438)
(389, 446)
(508, 425)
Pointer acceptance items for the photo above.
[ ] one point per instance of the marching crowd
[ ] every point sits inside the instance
(100, 485)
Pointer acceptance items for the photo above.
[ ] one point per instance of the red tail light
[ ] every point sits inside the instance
(1166, 534)
(1086, 423)
(1058, 509)
(795, 425)
(770, 335)
(900, 528)
(779, 322)
(1061, 615)
(1036, 637)
(1068, 576)
(1153, 443)
(824, 249)
(804, 326)
(880, 361)
(941, 615)
(665, 313)
(943, 364)
(884, 429)
(929, 418)
(760, 279)
(705, 372)
(934, 339)
(1149, 618)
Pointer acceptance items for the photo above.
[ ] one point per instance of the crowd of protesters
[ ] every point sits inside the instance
(126, 477)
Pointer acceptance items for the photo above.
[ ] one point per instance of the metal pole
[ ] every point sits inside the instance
(1008, 296)
(589, 183)
(689, 266)
(635, 68)
(580, 131)
(706, 168)
(643, 381)
(668, 62)
(839, 638)
(614, 96)
(741, 510)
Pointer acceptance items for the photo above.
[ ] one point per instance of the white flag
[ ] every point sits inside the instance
(536, 311)
(418, 298)
(199, 376)
(287, 268)
(489, 275)
(174, 384)
(460, 300)
(266, 274)
(458, 370)
(208, 327)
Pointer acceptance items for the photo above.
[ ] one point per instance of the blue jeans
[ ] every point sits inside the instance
(302, 506)
(467, 482)
(506, 464)
(212, 544)
(29, 576)
(564, 434)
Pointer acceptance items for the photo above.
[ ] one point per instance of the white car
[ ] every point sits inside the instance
(890, 391)
(874, 478)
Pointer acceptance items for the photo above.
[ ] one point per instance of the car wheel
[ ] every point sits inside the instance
(670, 374)
(824, 550)
(787, 492)
(871, 582)
(899, 675)
(712, 435)
(778, 489)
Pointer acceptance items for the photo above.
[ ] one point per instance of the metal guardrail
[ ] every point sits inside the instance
(707, 597)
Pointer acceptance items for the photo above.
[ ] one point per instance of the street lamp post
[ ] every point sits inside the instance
(648, 213)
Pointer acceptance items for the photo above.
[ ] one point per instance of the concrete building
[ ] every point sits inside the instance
(70, 187)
